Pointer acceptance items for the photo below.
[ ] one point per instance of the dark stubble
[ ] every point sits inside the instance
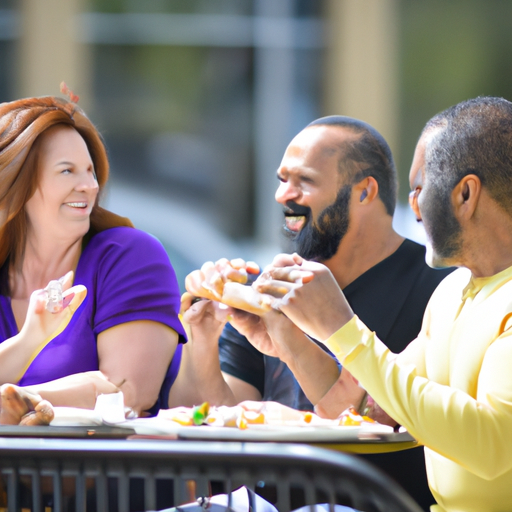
(443, 227)
(319, 239)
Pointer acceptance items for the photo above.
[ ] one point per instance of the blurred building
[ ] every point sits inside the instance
(197, 99)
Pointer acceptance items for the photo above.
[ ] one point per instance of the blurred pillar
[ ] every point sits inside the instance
(49, 49)
(362, 63)
(274, 66)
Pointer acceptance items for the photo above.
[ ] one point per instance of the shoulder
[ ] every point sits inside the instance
(124, 253)
(123, 236)
(123, 242)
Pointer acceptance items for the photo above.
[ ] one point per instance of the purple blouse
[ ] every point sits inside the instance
(128, 277)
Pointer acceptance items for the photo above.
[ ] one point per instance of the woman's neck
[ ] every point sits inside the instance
(42, 262)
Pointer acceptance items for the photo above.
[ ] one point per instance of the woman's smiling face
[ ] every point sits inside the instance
(67, 185)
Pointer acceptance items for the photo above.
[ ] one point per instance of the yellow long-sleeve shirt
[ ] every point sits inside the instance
(451, 388)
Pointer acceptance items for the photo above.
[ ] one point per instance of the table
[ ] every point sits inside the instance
(93, 465)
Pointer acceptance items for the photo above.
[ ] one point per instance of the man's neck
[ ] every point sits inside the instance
(362, 249)
(486, 240)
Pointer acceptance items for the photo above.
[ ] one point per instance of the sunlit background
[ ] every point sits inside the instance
(197, 99)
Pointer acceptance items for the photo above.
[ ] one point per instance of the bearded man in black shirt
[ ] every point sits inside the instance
(338, 190)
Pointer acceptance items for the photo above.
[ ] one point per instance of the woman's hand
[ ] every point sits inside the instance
(19, 406)
(39, 328)
(42, 325)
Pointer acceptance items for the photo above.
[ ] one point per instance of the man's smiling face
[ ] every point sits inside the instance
(314, 192)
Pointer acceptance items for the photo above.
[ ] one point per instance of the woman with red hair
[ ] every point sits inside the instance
(126, 334)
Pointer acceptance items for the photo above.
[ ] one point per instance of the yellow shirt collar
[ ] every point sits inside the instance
(486, 285)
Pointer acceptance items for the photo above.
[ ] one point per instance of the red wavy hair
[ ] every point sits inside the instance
(21, 124)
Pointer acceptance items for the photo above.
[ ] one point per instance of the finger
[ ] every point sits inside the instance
(30, 419)
(238, 263)
(215, 284)
(208, 268)
(235, 275)
(196, 312)
(244, 297)
(38, 300)
(42, 415)
(73, 297)
(277, 289)
(243, 321)
(194, 284)
(285, 276)
(252, 267)
(78, 294)
(34, 399)
(67, 280)
(286, 260)
(186, 302)
(239, 315)
(220, 311)
(14, 404)
(221, 264)
(291, 274)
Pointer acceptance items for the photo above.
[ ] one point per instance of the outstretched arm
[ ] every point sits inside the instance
(128, 353)
(445, 419)
(40, 327)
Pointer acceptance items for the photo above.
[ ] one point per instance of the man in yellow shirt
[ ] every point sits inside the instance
(452, 386)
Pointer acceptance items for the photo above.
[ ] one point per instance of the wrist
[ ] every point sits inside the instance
(333, 325)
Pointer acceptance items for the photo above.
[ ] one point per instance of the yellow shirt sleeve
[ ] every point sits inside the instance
(473, 432)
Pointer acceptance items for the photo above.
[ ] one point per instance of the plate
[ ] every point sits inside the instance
(305, 434)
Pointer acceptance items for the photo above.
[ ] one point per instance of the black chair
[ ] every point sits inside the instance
(105, 475)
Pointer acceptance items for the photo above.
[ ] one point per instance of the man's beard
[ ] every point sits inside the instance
(319, 240)
(443, 229)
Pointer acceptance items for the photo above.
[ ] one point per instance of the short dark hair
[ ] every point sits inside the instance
(372, 151)
(473, 137)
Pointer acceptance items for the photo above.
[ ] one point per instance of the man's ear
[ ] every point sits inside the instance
(465, 196)
(366, 190)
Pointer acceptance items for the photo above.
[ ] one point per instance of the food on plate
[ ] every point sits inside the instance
(249, 414)
(350, 418)
(226, 281)
(200, 413)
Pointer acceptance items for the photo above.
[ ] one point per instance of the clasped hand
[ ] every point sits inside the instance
(307, 293)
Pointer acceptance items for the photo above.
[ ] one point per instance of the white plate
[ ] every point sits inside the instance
(72, 417)
(334, 434)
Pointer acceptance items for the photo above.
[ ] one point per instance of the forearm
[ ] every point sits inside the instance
(16, 354)
(315, 370)
(443, 418)
(78, 390)
(343, 394)
(200, 378)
